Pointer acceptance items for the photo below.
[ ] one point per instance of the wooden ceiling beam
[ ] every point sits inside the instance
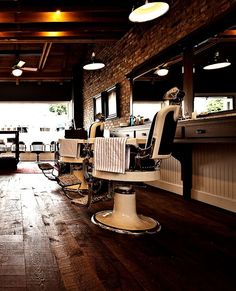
(62, 34)
(92, 28)
(38, 6)
(20, 52)
(45, 57)
(48, 17)
(30, 40)
(46, 78)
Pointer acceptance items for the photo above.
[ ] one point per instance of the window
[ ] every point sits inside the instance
(112, 95)
(213, 104)
(97, 104)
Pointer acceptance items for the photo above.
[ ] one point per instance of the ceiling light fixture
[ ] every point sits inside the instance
(217, 63)
(147, 10)
(93, 64)
(162, 71)
(17, 72)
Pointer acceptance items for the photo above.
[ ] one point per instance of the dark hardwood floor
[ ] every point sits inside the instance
(46, 243)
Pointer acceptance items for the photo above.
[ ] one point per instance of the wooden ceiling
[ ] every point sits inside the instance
(52, 42)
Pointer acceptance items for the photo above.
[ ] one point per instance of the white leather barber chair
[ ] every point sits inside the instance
(145, 166)
(75, 152)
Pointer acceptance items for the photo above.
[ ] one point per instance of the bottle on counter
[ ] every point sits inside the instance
(132, 120)
(137, 120)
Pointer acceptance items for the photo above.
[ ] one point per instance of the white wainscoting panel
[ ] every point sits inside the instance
(214, 175)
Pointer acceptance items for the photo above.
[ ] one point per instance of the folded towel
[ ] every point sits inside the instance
(110, 154)
(69, 148)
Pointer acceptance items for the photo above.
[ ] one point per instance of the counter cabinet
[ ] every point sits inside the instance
(139, 131)
(205, 148)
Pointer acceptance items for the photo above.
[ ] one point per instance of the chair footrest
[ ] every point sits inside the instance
(68, 180)
(45, 166)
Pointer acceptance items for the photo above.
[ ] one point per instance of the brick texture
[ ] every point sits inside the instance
(142, 42)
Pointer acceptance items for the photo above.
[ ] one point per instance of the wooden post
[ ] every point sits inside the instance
(188, 81)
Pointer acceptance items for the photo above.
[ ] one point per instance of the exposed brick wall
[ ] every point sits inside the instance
(142, 42)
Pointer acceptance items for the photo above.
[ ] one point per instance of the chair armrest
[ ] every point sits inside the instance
(136, 141)
(74, 139)
(130, 141)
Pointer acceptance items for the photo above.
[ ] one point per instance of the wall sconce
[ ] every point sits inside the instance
(147, 10)
(93, 64)
(162, 71)
(217, 63)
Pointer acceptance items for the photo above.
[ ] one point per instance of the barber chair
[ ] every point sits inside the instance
(22, 147)
(3, 147)
(79, 181)
(53, 146)
(144, 167)
(51, 171)
(37, 147)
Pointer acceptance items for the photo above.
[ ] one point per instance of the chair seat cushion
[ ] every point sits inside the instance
(145, 164)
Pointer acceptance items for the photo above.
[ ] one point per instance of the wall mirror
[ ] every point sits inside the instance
(208, 91)
(148, 89)
(214, 73)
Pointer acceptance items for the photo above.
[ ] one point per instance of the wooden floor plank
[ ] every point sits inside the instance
(46, 243)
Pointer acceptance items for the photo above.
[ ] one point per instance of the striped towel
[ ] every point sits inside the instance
(69, 148)
(110, 154)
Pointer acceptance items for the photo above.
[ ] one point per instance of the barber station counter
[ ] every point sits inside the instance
(205, 129)
(136, 131)
(205, 148)
(208, 129)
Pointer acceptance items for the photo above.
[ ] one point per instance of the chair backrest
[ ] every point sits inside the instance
(3, 148)
(96, 129)
(162, 131)
(37, 146)
(11, 140)
(22, 147)
(53, 146)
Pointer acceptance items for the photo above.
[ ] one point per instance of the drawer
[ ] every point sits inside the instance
(123, 133)
(141, 133)
(211, 130)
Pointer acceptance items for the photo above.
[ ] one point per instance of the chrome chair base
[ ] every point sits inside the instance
(124, 218)
(146, 225)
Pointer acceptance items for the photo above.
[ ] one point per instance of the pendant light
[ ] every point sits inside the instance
(217, 63)
(147, 10)
(162, 71)
(93, 64)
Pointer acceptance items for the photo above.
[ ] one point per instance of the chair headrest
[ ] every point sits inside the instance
(96, 129)
(100, 117)
(175, 95)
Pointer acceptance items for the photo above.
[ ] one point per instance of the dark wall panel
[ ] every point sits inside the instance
(78, 97)
(36, 92)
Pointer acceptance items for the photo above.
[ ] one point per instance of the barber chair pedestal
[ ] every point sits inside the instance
(124, 218)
